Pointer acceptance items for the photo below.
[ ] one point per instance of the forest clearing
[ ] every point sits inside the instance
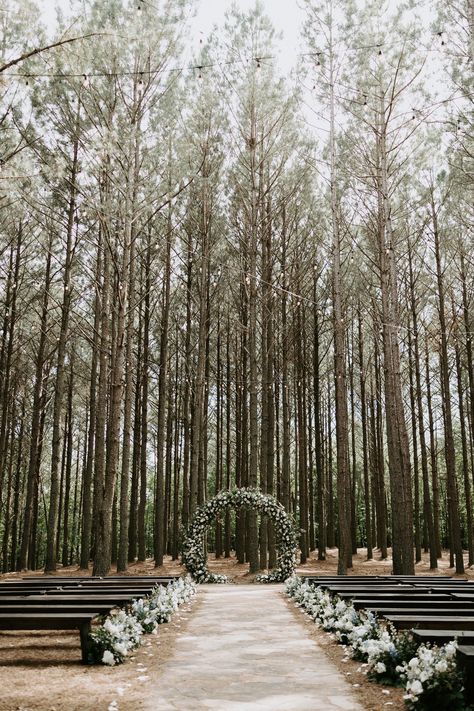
(236, 346)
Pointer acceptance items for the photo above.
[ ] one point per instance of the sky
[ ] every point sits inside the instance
(286, 16)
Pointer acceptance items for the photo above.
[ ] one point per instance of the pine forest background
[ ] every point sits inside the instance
(216, 273)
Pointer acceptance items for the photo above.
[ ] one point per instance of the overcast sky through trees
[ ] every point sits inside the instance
(286, 16)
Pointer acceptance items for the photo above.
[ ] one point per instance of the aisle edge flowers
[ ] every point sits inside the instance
(429, 673)
(121, 631)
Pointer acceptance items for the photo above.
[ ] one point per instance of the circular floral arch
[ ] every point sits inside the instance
(193, 554)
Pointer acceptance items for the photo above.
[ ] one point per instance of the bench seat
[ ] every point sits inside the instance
(51, 621)
(440, 637)
(424, 604)
(54, 600)
(401, 621)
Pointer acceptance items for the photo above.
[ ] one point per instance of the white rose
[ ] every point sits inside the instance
(108, 658)
(120, 648)
(380, 668)
(441, 666)
(416, 687)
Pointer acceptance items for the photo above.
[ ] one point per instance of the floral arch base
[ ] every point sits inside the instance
(193, 555)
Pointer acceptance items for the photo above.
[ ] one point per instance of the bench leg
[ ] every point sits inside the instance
(84, 630)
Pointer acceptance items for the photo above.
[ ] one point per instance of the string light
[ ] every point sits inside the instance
(258, 60)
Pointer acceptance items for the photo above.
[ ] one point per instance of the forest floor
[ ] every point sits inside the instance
(44, 672)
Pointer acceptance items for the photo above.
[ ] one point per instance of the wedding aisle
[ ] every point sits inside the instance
(243, 650)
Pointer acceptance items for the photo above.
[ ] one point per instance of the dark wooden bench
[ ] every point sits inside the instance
(112, 600)
(465, 660)
(130, 592)
(424, 603)
(69, 608)
(384, 596)
(85, 583)
(455, 588)
(402, 621)
(51, 621)
(365, 592)
(441, 637)
(425, 611)
(94, 578)
(380, 577)
(46, 585)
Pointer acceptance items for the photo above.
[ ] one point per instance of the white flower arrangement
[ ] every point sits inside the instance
(121, 632)
(430, 675)
(432, 679)
(193, 555)
(160, 605)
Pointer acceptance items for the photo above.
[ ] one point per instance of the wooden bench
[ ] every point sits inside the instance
(398, 593)
(376, 578)
(83, 581)
(51, 621)
(77, 584)
(441, 637)
(404, 622)
(130, 592)
(424, 603)
(369, 595)
(94, 578)
(114, 600)
(465, 660)
(69, 608)
(425, 611)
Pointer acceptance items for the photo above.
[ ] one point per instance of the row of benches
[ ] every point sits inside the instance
(436, 609)
(68, 603)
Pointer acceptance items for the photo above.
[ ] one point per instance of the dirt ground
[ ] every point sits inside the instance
(41, 671)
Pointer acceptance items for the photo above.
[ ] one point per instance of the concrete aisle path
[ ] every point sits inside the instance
(243, 650)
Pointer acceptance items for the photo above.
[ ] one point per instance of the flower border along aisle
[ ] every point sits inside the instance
(193, 553)
(429, 674)
(121, 632)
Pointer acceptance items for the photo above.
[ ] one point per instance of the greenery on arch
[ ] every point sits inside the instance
(193, 553)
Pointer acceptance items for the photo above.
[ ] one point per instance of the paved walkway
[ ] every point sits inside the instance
(244, 651)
